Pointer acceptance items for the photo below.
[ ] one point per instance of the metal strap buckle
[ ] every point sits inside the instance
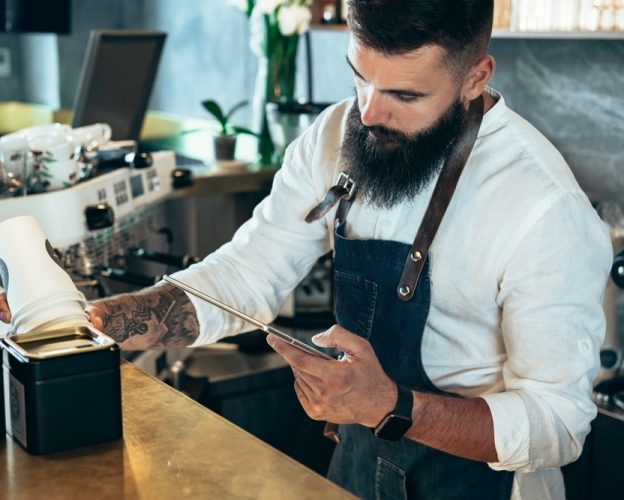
(346, 182)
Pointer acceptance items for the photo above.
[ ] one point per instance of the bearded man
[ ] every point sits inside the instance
(469, 271)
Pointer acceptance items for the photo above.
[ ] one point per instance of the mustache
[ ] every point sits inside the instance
(384, 133)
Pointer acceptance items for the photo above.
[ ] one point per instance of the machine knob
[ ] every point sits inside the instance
(99, 216)
(617, 270)
(181, 177)
(142, 160)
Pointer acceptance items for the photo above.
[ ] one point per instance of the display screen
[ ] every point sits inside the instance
(117, 79)
(136, 185)
(35, 16)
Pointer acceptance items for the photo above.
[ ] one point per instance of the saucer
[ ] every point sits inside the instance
(232, 165)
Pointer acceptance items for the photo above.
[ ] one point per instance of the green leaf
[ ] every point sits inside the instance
(250, 6)
(235, 108)
(243, 130)
(215, 110)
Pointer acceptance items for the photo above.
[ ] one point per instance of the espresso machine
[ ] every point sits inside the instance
(110, 231)
(609, 387)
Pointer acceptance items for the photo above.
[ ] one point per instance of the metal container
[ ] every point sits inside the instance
(62, 389)
(612, 350)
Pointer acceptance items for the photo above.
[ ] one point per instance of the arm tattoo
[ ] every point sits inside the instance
(158, 317)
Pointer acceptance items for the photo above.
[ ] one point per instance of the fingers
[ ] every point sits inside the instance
(343, 340)
(302, 361)
(5, 312)
(309, 383)
(96, 317)
(302, 397)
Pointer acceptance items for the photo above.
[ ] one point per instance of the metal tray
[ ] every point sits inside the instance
(56, 343)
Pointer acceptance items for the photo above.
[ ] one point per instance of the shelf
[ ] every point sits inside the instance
(559, 35)
(518, 35)
(329, 27)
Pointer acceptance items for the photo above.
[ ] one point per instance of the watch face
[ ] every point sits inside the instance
(393, 427)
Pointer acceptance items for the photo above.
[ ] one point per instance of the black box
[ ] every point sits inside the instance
(63, 389)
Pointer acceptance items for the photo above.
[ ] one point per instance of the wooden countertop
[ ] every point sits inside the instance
(172, 448)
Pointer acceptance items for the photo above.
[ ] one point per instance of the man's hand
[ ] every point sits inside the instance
(5, 312)
(96, 315)
(354, 389)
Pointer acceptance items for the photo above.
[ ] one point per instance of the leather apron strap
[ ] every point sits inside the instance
(442, 194)
(344, 191)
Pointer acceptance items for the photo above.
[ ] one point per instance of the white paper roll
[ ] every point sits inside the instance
(29, 268)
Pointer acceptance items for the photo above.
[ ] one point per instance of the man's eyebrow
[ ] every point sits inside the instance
(402, 92)
(357, 73)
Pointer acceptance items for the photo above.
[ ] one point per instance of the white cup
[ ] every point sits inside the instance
(43, 130)
(29, 268)
(15, 162)
(14, 155)
(96, 134)
(15, 140)
(53, 324)
(57, 146)
(52, 316)
(59, 306)
(60, 174)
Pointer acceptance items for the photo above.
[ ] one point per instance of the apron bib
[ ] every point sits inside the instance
(366, 303)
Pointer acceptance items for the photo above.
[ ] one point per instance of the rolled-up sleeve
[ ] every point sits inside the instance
(270, 253)
(553, 325)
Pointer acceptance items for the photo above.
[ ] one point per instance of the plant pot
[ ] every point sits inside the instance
(224, 147)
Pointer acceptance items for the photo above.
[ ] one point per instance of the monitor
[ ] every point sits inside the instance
(117, 79)
(36, 16)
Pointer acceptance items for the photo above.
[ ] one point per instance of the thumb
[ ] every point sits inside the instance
(96, 317)
(343, 340)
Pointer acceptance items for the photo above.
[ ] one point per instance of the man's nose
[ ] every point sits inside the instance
(372, 109)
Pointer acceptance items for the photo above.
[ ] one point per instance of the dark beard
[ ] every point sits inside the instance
(390, 167)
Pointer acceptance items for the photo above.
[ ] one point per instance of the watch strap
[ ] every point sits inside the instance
(405, 402)
(396, 423)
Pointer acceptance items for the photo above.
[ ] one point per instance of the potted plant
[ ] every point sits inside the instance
(225, 140)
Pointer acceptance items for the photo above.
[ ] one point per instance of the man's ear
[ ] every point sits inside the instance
(478, 77)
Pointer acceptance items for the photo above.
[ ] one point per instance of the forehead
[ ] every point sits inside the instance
(426, 66)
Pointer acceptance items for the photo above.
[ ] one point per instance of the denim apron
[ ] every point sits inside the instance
(366, 303)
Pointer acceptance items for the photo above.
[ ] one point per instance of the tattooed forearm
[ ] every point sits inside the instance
(157, 317)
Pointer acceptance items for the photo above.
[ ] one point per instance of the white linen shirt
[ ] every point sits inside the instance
(519, 266)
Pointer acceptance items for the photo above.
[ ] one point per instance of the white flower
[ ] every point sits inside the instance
(268, 6)
(293, 19)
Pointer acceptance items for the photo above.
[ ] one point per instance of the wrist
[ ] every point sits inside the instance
(387, 400)
(397, 422)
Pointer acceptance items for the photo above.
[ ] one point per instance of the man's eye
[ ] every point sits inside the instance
(406, 98)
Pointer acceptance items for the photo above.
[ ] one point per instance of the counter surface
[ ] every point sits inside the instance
(172, 448)
(209, 180)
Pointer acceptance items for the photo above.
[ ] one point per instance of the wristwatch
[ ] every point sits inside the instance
(396, 423)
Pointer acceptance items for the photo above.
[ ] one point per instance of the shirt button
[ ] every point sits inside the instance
(584, 346)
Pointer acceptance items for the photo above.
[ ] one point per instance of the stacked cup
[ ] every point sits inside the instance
(50, 155)
(41, 295)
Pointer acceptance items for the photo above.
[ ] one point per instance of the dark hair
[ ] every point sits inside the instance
(394, 27)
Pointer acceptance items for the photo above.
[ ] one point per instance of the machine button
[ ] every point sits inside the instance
(99, 216)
